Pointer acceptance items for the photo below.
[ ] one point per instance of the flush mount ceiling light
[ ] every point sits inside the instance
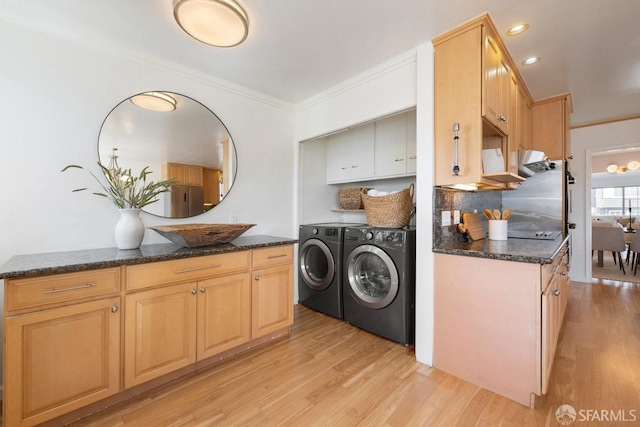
(221, 23)
(531, 60)
(517, 29)
(631, 166)
(155, 101)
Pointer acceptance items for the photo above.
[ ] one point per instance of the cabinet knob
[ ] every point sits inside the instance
(556, 292)
(202, 290)
(193, 292)
(502, 118)
(114, 308)
(256, 278)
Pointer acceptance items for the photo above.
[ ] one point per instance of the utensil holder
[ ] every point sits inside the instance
(498, 229)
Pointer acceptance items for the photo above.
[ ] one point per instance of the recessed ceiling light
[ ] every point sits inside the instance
(517, 29)
(531, 60)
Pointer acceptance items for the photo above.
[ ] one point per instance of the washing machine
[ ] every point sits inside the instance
(379, 281)
(320, 267)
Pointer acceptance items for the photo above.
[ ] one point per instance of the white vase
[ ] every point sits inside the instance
(129, 229)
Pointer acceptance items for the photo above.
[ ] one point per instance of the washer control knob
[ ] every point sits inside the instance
(314, 231)
(369, 235)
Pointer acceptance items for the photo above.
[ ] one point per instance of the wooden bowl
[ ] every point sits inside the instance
(196, 235)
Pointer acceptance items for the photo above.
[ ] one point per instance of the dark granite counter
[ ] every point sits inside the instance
(89, 259)
(520, 250)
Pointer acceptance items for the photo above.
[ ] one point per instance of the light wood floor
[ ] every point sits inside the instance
(328, 373)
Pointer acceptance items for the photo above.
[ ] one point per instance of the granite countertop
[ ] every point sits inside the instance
(89, 259)
(520, 250)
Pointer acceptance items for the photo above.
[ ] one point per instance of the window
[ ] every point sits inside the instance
(615, 201)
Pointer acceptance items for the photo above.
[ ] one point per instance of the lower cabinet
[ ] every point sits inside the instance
(60, 359)
(68, 343)
(497, 322)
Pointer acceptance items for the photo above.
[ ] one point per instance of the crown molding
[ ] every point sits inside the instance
(34, 22)
(360, 79)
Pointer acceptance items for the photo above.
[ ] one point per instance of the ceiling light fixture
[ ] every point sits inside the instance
(155, 101)
(531, 60)
(631, 166)
(517, 29)
(221, 23)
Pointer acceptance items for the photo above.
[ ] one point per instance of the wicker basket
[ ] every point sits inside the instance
(350, 198)
(391, 211)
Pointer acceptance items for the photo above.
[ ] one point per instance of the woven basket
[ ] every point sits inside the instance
(350, 198)
(391, 211)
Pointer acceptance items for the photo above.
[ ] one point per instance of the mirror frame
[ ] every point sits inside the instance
(181, 98)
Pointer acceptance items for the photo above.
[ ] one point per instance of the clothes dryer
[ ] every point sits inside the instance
(379, 281)
(320, 267)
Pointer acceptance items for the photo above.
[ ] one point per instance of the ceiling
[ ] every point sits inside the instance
(299, 48)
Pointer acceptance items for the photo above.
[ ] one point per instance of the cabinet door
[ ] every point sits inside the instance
(271, 300)
(550, 120)
(211, 186)
(160, 332)
(224, 314)
(193, 175)
(350, 155)
(391, 146)
(496, 76)
(58, 360)
(175, 171)
(412, 149)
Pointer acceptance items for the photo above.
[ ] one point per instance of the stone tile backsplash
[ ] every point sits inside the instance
(464, 201)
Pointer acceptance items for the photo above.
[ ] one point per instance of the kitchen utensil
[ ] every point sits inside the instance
(473, 225)
(496, 214)
(488, 214)
(506, 213)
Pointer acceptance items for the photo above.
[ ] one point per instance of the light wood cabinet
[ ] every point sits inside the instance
(495, 331)
(70, 344)
(271, 297)
(551, 123)
(496, 79)
(211, 186)
(60, 359)
(473, 90)
(183, 174)
(160, 332)
(395, 145)
(350, 155)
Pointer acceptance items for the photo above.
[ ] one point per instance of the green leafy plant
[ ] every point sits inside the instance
(125, 190)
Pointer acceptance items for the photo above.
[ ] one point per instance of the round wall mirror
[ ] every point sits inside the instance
(176, 137)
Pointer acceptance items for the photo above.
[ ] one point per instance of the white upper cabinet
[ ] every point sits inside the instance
(395, 145)
(350, 155)
(383, 149)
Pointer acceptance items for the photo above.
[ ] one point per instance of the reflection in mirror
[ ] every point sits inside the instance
(188, 143)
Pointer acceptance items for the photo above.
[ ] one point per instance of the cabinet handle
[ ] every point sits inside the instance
(114, 308)
(556, 292)
(399, 160)
(344, 168)
(189, 270)
(73, 288)
(413, 157)
(256, 278)
(455, 167)
(202, 290)
(276, 256)
(193, 292)
(354, 166)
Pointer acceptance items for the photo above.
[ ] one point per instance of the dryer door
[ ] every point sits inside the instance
(373, 277)
(316, 264)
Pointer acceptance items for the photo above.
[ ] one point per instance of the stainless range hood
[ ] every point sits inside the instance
(531, 162)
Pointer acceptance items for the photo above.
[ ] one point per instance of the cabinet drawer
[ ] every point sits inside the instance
(180, 270)
(272, 256)
(60, 288)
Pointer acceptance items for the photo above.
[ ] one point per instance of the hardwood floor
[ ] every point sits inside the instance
(328, 373)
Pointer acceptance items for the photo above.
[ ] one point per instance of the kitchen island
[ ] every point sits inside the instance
(86, 329)
(498, 310)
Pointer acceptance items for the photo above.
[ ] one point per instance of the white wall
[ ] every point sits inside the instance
(56, 95)
(584, 142)
(397, 85)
